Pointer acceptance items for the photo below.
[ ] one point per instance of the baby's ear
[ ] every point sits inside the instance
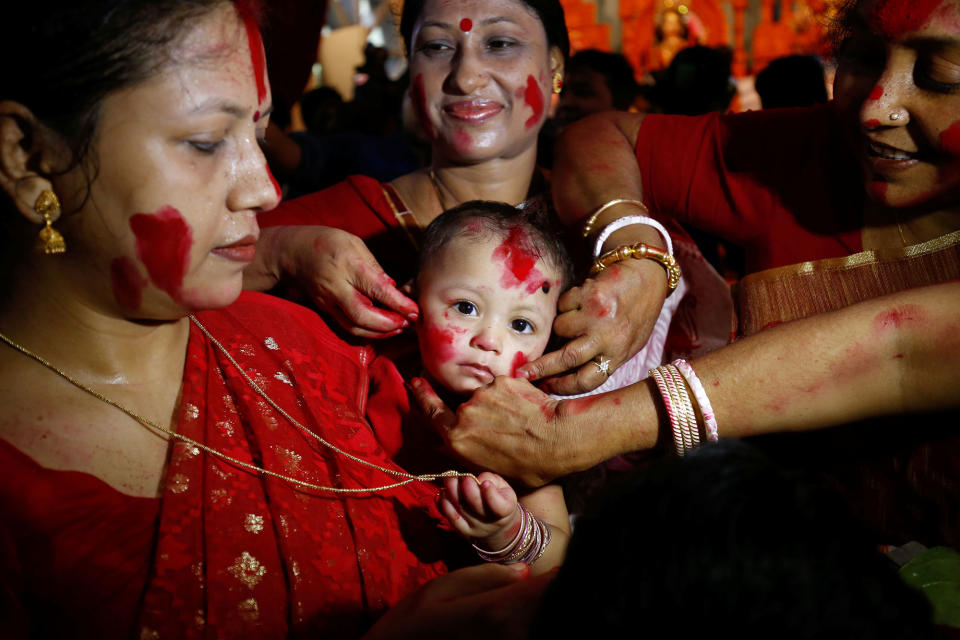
(410, 288)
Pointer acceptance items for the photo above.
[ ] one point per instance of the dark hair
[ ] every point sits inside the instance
(723, 542)
(550, 13)
(616, 70)
(696, 81)
(792, 81)
(497, 219)
(70, 55)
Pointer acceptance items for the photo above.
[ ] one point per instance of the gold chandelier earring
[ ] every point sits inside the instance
(49, 240)
(557, 82)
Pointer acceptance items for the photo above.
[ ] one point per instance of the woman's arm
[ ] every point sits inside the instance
(890, 355)
(609, 316)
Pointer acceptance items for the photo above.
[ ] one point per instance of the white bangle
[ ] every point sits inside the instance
(627, 221)
(706, 409)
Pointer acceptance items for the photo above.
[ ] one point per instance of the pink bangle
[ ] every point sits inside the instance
(700, 394)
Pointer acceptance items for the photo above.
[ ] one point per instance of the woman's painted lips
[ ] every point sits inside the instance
(243, 250)
(883, 158)
(473, 110)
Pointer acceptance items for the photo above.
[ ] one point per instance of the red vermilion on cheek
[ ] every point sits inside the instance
(462, 139)
(894, 18)
(518, 361)
(876, 94)
(440, 341)
(534, 99)
(950, 139)
(419, 96)
(163, 244)
(127, 282)
(257, 55)
(466, 24)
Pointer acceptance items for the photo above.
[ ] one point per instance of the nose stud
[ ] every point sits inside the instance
(894, 116)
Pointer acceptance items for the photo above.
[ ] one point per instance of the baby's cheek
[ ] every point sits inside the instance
(439, 342)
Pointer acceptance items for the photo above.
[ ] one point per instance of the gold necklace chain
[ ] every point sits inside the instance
(408, 478)
(436, 188)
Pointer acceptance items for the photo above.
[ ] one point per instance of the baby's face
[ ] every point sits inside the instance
(487, 306)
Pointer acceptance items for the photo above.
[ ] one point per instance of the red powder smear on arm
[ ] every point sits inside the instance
(876, 94)
(466, 24)
(898, 316)
(894, 18)
(127, 282)
(163, 245)
(518, 361)
(258, 56)
(519, 257)
(534, 98)
(950, 139)
(420, 104)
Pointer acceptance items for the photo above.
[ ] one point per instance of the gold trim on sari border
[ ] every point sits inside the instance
(774, 296)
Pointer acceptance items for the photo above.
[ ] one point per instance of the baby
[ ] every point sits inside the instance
(487, 285)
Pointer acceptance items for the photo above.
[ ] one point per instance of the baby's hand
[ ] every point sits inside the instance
(486, 511)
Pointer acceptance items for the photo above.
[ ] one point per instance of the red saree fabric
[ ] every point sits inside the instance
(236, 554)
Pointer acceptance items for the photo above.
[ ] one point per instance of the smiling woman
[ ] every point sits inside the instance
(177, 459)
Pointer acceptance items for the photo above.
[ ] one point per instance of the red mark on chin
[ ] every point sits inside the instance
(462, 139)
(466, 24)
(950, 139)
(895, 18)
(419, 96)
(876, 94)
(878, 189)
(127, 283)
(518, 361)
(257, 55)
(163, 245)
(534, 99)
(519, 258)
(872, 123)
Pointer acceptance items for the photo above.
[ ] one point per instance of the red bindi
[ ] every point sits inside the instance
(127, 283)
(466, 24)
(164, 240)
(534, 99)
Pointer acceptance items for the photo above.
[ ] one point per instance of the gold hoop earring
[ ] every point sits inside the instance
(49, 239)
(557, 82)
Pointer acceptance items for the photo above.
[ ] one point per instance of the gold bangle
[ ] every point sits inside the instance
(641, 251)
(588, 225)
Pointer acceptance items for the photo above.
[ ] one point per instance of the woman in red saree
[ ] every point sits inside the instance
(850, 216)
(485, 76)
(175, 461)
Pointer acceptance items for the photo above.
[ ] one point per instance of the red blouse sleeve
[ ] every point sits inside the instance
(756, 179)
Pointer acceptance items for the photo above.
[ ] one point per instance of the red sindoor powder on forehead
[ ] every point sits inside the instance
(894, 18)
(163, 245)
(534, 99)
(257, 56)
(518, 257)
